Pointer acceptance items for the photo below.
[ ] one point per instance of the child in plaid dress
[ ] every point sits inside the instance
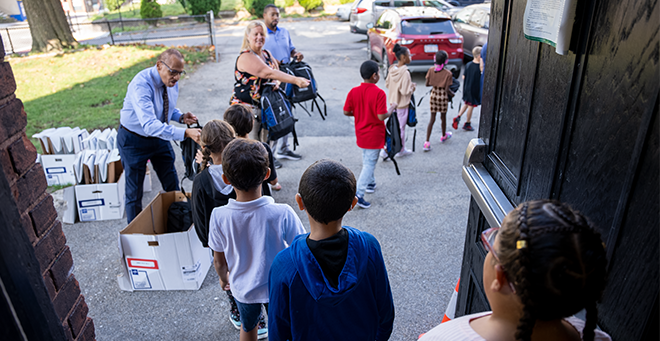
(440, 79)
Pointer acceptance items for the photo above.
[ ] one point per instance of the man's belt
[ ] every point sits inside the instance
(136, 134)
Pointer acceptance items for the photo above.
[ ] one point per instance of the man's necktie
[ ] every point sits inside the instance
(166, 104)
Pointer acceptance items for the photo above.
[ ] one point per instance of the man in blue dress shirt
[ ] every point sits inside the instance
(280, 46)
(144, 133)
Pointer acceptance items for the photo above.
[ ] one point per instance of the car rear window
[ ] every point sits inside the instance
(426, 26)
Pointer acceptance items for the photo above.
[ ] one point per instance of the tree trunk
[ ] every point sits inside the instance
(48, 25)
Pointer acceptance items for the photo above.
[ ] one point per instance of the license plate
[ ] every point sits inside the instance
(430, 48)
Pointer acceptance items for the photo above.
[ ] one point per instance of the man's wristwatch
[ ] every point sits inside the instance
(181, 119)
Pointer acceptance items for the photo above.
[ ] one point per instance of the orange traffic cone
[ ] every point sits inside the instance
(451, 307)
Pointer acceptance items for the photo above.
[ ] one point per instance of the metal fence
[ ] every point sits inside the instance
(189, 30)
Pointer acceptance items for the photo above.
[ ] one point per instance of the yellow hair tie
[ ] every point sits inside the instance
(521, 244)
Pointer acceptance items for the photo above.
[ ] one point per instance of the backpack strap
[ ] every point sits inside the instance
(396, 166)
(414, 137)
(303, 107)
(295, 137)
(325, 107)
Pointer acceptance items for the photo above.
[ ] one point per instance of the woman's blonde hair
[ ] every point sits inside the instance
(216, 135)
(249, 28)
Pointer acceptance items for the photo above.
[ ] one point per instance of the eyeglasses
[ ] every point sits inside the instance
(174, 72)
(488, 240)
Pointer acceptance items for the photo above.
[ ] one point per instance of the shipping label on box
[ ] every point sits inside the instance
(59, 169)
(156, 260)
(101, 201)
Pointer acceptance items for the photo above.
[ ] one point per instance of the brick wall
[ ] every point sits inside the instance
(38, 215)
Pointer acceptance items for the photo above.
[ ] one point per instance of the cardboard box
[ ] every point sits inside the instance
(59, 169)
(101, 201)
(72, 211)
(156, 260)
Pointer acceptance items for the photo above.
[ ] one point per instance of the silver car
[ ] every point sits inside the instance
(367, 11)
(472, 23)
(344, 11)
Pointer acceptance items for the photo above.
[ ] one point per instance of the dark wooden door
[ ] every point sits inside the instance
(580, 128)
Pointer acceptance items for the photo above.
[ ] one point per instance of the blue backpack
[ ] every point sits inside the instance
(276, 115)
(412, 118)
(299, 95)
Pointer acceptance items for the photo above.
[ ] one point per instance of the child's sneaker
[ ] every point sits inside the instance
(262, 329)
(363, 203)
(467, 126)
(403, 152)
(371, 188)
(235, 320)
(446, 137)
(456, 121)
(383, 153)
(427, 146)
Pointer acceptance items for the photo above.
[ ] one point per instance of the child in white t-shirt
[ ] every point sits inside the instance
(247, 233)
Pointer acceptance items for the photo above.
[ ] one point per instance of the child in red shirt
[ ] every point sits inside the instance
(368, 104)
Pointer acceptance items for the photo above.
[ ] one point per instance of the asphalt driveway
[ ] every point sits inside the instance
(418, 217)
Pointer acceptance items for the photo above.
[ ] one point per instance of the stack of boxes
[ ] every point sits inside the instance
(92, 163)
(153, 259)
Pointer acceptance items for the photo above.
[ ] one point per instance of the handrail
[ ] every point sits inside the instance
(485, 191)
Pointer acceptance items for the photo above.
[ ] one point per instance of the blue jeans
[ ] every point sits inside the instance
(135, 150)
(250, 314)
(369, 159)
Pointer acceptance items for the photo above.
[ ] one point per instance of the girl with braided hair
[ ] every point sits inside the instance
(545, 264)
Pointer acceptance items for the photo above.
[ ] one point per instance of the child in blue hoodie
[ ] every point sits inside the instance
(330, 284)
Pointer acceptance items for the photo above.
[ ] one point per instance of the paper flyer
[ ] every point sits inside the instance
(550, 22)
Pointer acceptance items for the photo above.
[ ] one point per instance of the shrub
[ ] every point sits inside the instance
(256, 7)
(310, 4)
(197, 7)
(345, 1)
(150, 9)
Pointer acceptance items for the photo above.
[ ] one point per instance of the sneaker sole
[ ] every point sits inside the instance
(262, 336)
(237, 326)
(363, 206)
(279, 156)
(369, 190)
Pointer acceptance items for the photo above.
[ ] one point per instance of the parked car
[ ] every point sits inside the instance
(423, 30)
(344, 11)
(367, 11)
(472, 23)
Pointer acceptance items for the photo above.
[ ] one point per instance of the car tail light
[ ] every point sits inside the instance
(407, 41)
(359, 10)
(456, 40)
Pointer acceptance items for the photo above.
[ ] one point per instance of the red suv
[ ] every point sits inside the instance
(423, 30)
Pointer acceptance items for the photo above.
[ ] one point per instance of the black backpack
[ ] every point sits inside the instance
(299, 95)
(453, 89)
(276, 115)
(393, 143)
(188, 150)
(179, 214)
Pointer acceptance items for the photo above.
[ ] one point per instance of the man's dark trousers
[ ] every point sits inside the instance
(135, 150)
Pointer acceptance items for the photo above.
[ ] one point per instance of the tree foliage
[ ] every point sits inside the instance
(197, 7)
(310, 4)
(256, 7)
(150, 9)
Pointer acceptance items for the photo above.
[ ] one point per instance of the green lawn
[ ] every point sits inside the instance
(133, 10)
(84, 89)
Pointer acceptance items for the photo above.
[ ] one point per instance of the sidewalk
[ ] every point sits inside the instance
(419, 217)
